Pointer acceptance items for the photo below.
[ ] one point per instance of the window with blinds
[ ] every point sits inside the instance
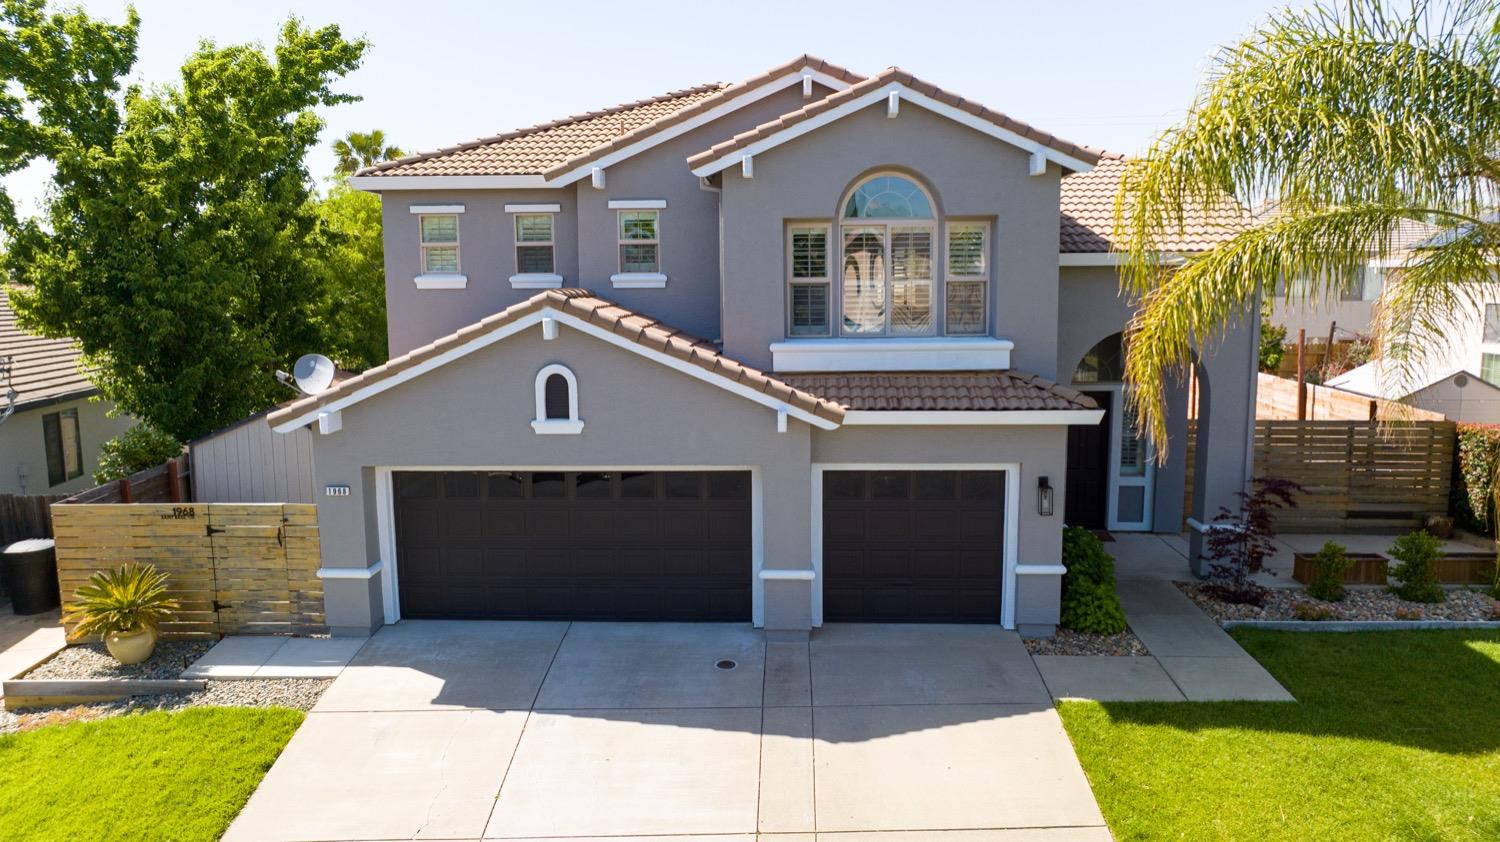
(807, 280)
(534, 244)
(439, 234)
(639, 242)
(911, 281)
(966, 287)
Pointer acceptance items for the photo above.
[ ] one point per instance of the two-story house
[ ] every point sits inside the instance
(808, 348)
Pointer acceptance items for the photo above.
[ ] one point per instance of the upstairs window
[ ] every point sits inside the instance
(807, 252)
(64, 447)
(534, 244)
(639, 243)
(967, 284)
(1491, 323)
(886, 266)
(439, 244)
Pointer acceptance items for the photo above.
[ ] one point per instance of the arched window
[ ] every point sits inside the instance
(1104, 363)
(886, 234)
(556, 402)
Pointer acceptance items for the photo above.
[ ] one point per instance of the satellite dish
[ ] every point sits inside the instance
(313, 373)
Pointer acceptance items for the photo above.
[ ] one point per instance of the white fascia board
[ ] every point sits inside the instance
(881, 94)
(378, 183)
(972, 418)
(419, 209)
(913, 354)
(531, 320)
(720, 110)
(637, 204)
(553, 208)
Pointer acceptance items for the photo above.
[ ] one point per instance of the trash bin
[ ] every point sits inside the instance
(29, 569)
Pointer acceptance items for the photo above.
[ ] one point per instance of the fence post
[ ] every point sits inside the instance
(1301, 374)
(174, 482)
(125, 489)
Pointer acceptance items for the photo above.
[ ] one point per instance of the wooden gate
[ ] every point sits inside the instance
(235, 568)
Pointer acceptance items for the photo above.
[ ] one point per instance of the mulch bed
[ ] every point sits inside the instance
(1069, 642)
(1357, 604)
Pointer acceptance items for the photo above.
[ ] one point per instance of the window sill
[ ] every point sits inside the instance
(441, 281)
(557, 427)
(536, 280)
(930, 353)
(638, 280)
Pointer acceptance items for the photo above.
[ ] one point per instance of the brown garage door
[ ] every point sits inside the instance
(913, 546)
(591, 545)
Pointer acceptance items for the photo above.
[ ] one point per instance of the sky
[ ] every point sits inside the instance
(1106, 74)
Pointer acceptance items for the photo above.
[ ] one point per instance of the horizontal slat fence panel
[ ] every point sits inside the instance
(234, 568)
(1276, 399)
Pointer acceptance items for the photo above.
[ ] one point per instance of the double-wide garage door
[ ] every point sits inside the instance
(575, 545)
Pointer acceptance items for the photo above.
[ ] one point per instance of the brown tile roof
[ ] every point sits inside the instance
(941, 390)
(893, 74)
(1088, 214)
(41, 369)
(551, 149)
(606, 314)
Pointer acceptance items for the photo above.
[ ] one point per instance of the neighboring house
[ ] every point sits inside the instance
(50, 443)
(1460, 395)
(812, 347)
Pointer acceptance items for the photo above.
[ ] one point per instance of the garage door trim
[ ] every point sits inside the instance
(385, 515)
(1012, 515)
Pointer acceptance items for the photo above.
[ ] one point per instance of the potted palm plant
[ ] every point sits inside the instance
(124, 606)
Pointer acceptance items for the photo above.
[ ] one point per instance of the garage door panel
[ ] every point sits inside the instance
(564, 545)
(913, 546)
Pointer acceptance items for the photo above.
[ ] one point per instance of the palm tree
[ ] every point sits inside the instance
(358, 150)
(1346, 119)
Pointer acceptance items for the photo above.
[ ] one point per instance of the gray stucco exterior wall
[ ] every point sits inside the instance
(23, 445)
(971, 176)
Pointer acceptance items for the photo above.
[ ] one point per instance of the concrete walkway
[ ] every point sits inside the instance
(271, 656)
(1192, 658)
(26, 641)
(469, 730)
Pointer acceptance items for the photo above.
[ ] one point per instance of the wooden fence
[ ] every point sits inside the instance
(1276, 399)
(26, 516)
(235, 568)
(1357, 476)
(169, 482)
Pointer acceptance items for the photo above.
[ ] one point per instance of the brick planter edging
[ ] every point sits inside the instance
(45, 692)
(1360, 625)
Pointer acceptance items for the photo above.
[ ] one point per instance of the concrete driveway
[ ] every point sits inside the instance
(470, 730)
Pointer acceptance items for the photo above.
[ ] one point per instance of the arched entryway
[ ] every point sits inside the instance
(1111, 475)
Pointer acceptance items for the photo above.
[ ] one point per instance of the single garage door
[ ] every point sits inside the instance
(573, 546)
(913, 546)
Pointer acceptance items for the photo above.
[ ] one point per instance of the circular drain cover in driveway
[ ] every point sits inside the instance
(726, 664)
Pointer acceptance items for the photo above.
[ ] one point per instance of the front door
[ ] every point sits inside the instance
(1087, 491)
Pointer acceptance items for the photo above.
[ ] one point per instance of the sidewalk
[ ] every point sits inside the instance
(26, 641)
(1192, 658)
(239, 657)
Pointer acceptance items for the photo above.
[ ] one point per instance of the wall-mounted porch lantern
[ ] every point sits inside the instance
(1043, 497)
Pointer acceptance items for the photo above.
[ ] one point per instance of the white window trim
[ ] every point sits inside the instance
(636, 280)
(539, 208)
(638, 204)
(986, 277)
(887, 353)
(434, 280)
(534, 280)
(826, 281)
(570, 426)
(435, 210)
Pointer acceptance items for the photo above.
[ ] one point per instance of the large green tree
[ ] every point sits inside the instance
(350, 261)
(1342, 121)
(178, 240)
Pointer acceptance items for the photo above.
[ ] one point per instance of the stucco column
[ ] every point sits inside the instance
(1226, 419)
(786, 515)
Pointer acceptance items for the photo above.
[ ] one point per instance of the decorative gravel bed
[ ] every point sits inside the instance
(1069, 642)
(299, 693)
(1357, 604)
(92, 660)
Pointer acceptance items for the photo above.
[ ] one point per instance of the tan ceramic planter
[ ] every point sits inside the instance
(131, 647)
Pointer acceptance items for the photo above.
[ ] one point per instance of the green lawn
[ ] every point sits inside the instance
(155, 776)
(1396, 735)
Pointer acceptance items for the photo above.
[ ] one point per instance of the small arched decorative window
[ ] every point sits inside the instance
(1104, 363)
(556, 402)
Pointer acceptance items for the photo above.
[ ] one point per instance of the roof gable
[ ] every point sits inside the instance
(580, 310)
(561, 152)
(907, 88)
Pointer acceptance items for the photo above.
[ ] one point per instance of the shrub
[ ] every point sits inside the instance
(1089, 601)
(138, 448)
(1312, 611)
(1417, 553)
(1238, 548)
(126, 599)
(1474, 464)
(1328, 568)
